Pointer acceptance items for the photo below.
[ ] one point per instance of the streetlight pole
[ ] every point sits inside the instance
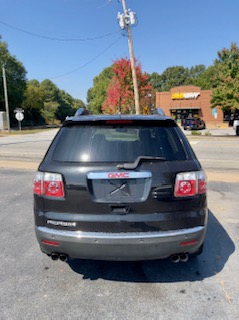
(131, 52)
(6, 97)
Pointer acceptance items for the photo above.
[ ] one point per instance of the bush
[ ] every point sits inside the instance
(196, 133)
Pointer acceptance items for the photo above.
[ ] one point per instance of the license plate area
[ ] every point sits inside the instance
(122, 187)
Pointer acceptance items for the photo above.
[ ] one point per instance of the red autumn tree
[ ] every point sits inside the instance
(120, 92)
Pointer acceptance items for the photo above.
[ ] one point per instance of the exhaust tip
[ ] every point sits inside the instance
(55, 256)
(175, 258)
(63, 257)
(184, 257)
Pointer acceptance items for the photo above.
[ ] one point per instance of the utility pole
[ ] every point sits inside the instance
(126, 21)
(6, 97)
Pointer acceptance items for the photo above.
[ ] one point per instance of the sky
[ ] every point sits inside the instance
(71, 41)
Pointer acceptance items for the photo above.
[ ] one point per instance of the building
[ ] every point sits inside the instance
(189, 101)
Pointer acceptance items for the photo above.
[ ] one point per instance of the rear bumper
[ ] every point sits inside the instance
(121, 246)
(190, 128)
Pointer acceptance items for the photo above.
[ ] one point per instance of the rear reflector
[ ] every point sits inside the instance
(51, 243)
(188, 184)
(48, 184)
(188, 243)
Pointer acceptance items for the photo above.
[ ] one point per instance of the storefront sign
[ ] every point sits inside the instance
(185, 95)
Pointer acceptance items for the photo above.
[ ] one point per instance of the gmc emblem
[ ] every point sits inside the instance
(118, 175)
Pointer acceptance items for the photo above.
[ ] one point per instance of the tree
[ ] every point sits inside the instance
(174, 77)
(16, 79)
(78, 103)
(198, 75)
(65, 105)
(226, 92)
(45, 103)
(120, 92)
(156, 81)
(196, 72)
(171, 77)
(204, 79)
(97, 94)
(33, 103)
(51, 101)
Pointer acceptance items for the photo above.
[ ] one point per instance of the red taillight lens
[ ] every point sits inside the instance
(38, 183)
(53, 185)
(189, 184)
(48, 184)
(202, 182)
(185, 185)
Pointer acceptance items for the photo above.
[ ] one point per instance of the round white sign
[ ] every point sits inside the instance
(19, 116)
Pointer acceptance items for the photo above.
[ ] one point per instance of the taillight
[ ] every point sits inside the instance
(53, 185)
(202, 182)
(38, 183)
(188, 184)
(48, 184)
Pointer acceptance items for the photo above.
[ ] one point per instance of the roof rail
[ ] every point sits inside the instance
(82, 112)
(159, 112)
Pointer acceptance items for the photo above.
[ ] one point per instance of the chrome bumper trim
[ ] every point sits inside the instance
(118, 236)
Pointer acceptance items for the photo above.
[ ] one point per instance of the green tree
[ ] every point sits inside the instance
(51, 101)
(198, 75)
(65, 105)
(97, 94)
(33, 103)
(226, 91)
(173, 77)
(156, 81)
(196, 72)
(16, 79)
(78, 103)
(204, 79)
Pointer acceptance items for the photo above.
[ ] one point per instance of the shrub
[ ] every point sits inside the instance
(196, 133)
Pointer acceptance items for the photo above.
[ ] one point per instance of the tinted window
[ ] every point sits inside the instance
(85, 143)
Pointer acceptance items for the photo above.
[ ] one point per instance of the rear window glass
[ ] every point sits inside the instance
(116, 143)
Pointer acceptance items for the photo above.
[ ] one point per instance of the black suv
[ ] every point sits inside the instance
(121, 187)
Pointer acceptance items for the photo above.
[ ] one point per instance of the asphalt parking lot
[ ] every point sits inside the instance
(35, 287)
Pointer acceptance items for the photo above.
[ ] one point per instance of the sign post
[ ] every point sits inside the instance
(19, 116)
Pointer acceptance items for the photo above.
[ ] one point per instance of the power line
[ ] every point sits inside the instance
(82, 66)
(55, 38)
(87, 63)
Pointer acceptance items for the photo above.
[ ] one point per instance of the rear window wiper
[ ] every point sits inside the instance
(138, 160)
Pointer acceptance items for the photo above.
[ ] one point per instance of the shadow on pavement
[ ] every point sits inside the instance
(217, 250)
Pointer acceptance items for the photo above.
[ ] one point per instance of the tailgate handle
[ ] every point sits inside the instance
(119, 209)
